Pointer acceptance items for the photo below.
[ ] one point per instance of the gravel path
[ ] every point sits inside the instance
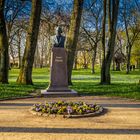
(121, 122)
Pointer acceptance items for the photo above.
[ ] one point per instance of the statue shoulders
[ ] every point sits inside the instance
(63, 37)
(54, 37)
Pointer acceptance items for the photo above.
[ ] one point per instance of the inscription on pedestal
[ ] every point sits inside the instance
(58, 77)
(58, 59)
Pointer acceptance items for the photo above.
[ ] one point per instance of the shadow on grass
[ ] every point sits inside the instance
(17, 90)
(136, 72)
(126, 90)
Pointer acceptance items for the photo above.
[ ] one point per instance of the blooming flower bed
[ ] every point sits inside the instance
(66, 108)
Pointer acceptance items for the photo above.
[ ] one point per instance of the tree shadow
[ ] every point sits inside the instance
(70, 130)
(127, 90)
(104, 105)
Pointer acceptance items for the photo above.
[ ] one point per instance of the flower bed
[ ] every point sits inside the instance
(67, 109)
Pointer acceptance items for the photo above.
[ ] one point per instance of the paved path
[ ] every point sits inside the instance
(121, 122)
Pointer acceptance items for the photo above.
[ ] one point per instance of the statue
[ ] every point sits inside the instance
(58, 85)
(58, 39)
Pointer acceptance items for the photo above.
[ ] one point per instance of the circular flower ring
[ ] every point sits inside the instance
(66, 109)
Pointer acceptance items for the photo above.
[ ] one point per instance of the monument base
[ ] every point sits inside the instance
(58, 89)
(58, 75)
(70, 93)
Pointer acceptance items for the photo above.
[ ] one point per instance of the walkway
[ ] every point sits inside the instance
(121, 122)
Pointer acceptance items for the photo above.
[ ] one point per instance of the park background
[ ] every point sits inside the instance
(90, 49)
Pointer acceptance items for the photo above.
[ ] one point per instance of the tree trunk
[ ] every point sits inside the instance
(132, 34)
(128, 59)
(118, 66)
(75, 61)
(113, 65)
(85, 60)
(103, 42)
(37, 60)
(72, 36)
(25, 75)
(112, 24)
(12, 55)
(4, 56)
(19, 56)
(42, 56)
(19, 49)
(94, 59)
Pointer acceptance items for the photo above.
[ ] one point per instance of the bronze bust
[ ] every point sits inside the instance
(58, 39)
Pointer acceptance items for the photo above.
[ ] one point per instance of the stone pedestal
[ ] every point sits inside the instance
(58, 76)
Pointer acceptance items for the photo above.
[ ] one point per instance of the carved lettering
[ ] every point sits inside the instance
(58, 59)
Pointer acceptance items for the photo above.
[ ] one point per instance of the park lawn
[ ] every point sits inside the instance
(84, 82)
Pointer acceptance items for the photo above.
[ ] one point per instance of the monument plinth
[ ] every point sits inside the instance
(58, 74)
(58, 77)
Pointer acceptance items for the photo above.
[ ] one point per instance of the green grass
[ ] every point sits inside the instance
(84, 82)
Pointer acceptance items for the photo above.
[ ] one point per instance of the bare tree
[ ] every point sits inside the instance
(16, 14)
(72, 36)
(4, 57)
(131, 23)
(112, 7)
(25, 75)
(92, 20)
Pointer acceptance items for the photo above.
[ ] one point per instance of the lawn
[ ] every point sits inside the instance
(84, 82)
